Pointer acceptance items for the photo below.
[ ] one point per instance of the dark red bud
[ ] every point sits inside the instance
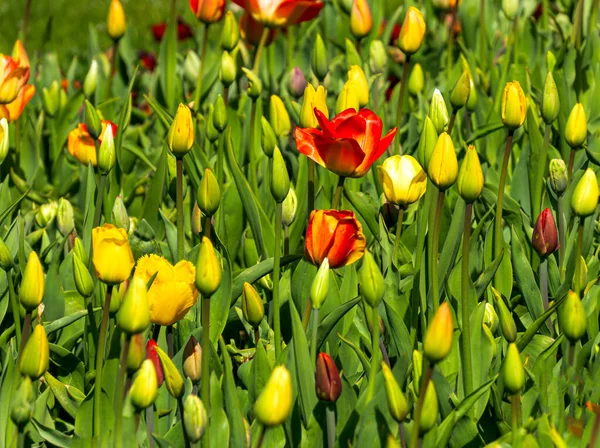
(153, 356)
(545, 236)
(328, 383)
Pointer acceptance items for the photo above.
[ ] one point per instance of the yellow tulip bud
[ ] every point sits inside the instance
(438, 337)
(252, 305)
(514, 105)
(550, 100)
(348, 98)
(192, 360)
(572, 318)
(112, 257)
(209, 193)
(412, 31)
(4, 139)
(361, 21)
(181, 134)
(134, 313)
(438, 112)
(430, 409)
(585, 196)
(470, 176)
(357, 75)
(116, 20)
(313, 99)
(208, 269)
(403, 180)
(35, 358)
(429, 137)
(512, 370)
(144, 387)
(462, 89)
(416, 80)
(279, 117)
(443, 166)
(83, 279)
(173, 378)
(472, 102)
(136, 354)
(396, 401)
(33, 284)
(576, 129)
(274, 404)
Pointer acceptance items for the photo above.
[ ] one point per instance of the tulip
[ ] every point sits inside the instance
(319, 62)
(357, 75)
(112, 257)
(254, 84)
(209, 193)
(80, 143)
(513, 371)
(545, 235)
(472, 102)
(348, 98)
(4, 139)
(550, 100)
(136, 354)
(116, 20)
(12, 111)
(252, 305)
(22, 403)
(507, 323)
(92, 121)
(144, 387)
(83, 279)
(582, 277)
(372, 285)
(46, 213)
(91, 80)
(80, 251)
(429, 137)
(289, 208)
(172, 292)
(181, 134)
(274, 404)
(64, 217)
(335, 235)
(470, 177)
(328, 383)
(361, 21)
(211, 132)
(119, 214)
(412, 31)
(35, 358)
(227, 69)
(572, 317)
(416, 80)
(490, 318)
(13, 77)
(576, 128)
(152, 355)
(461, 91)
(251, 31)
(208, 11)
(298, 83)
(106, 152)
(208, 269)
(194, 418)
(403, 180)
(438, 337)
(430, 409)
(320, 285)
(313, 99)
(6, 259)
(268, 138)
(173, 379)
(192, 360)
(280, 179)
(397, 404)
(281, 13)
(347, 145)
(220, 117)
(32, 287)
(279, 117)
(377, 57)
(134, 314)
(514, 105)
(438, 112)
(585, 196)
(230, 34)
(510, 8)
(559, 179)
(443, 165)
(51, 98)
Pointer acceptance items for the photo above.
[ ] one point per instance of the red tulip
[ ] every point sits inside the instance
(153, 356)
(335, 235)
(281, 13)
(348, 144)
(328, 383)
(208, 11)
(251, 31)
(148, 60)
(183, 30)
(545, 236)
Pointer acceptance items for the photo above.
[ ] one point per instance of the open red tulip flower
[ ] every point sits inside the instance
(335, 235)
(281, 13)
(348, 144)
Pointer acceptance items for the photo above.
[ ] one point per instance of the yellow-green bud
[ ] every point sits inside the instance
(144, 387)
(91, 80)
(181, 134)
(443, 165)
(268, 137)
(279, 117)
(46, 213)
(377, 57)
(472, 103)
(254, 84)
(209, 193)
(357, 75)
(572, 318)
(513, 371)
(136, 354)
(196, 221)
(559, 179)
(35, 358)
(21, 404)
(348, 98)
(252, 305)
(80, 251)
(51, 98)
(4, 139)
(280, 180)
(33, 283)
(510, 8)
(416, 80)
(372, 284)
(438, 112)
(429, 137)
(208, 269)
(134, 313)
(227, 69)
(191, 67)
(92, 120)
(352, 55)
(192, 360)
(550, 61)
(117, 296)
(507, 323)
(274, 404)
(430, 409)
(320, 285)
(470, 176)
(230, 34)
(64, 217)
(289, 208)
(490, 318)
(585, 196)
(462, 89)
(83, 279)
(438, 337)
(220, 114)
(576, 128)
(173, 379)
(514, 105)
(6, 259)
(120, 218)
(550, 100)
(211, 132)
(194, 418)
(319, 62)
(106, 153)
(583, 277)
(396, 400)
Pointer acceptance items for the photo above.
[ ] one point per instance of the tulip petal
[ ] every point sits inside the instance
(382, 146)
(294, 11)
(348, 243)
(341, 156)
(326, 126)
(306, 144)
(343, 116)
(319, 235)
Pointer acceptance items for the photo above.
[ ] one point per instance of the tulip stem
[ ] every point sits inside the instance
(516, 404)
(595, 430)
(403, 82)
(452, 120)
(374, 353)
(434, 262)
(402, 435)
(465, 338)
(99, 200)
(306, 315)
(338, 193)
(259, 50)
(543, 275)
(119, 389)
(414, 437)
(315, 332)
(578, 257)
(398, 232)
(331, 432)
(113, 65)
(198, 92)
(537, 196)
(150, 424)
(252, 151)
(286, 240)
(498, 220)
(276, 268)
(26, 330)
(14, 303)
(206, 349)
(562, 238)
(571, 163)
(311, 186)
(180, 227)
(99, 364)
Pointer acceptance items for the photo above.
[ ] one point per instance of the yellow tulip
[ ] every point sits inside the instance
(576, 129)
(412, 31)
(112, 257)
(514, 105)
(313, 99)
(585, 196)
(348, 98)
(32, 287)
(116, 20)
(443, 165)
(35, 358)
(144, 387)
(181, 134)
(361, 21)
(438, 337)
(357, 75)
(208, 269)
(470, 177)
(274, 404)
(172, 292)
(403, 180)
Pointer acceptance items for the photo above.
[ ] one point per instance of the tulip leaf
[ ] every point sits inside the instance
(451, 244)
(155, 192)
(537, 324)
(53, 436)
(333, 318)
(525, 278)
(171, 233)
(65, 321)
(488, 274)
(399, 335)
(59, 390)
(232, 403)
(361, 356)
(221, 299)
(13, 206)
(485, 130)
(365, 209)
(124, 119)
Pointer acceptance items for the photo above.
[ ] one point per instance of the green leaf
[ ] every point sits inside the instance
(365, 209)
(537, 324)
(361, 356)
(525, 278)
(485, 130)
(487, 275)
(52, 436)
(333, 318)
(221, 299)
(232, 402)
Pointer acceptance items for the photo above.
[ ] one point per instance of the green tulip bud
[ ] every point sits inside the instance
(280, 181)
(32, 287)
(51, 98)
(46, 213)
(230, 34)
(64, 217)
(377, 57)
(583, 277)
(490, 318)
(550, 61)
(572, 318)
(462, 89)
(585, 196)
(134, 313)
(507, 323)
(352, 55)
(438, 112)
(510, 8)
(254, 83)
(472, 102)
(83, 279)
(136, 354)
(289, 208)
(35, 358)
(209, 193)
(438, 337)
(279, 117)
(513, 371)
(227, 69)
(117, 296)
(320, 285)
(192, 360)
(6, 258)
(372, 284)
(550, 100)
(274, 404)
(173, 378)
(191, 67)
(80, 251)
(91, 80)
(416, 80)
(208, 269)
(120, 218)
(319, 62)
(396, 401)
(220, 114)
(92, 120)
(268, 139)
(196, 221)
(106, 153)
(144, 387)
(559, 179)
(194, 418)
(252, 305)
(429, 137)
(430, 409)
(21, 403)
(212, 134)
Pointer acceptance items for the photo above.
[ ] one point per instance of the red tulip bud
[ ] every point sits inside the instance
(545, 236)
(327, 382)
(153, 356)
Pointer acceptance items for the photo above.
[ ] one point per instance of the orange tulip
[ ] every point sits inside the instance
(251, 31)
(208, 11)
(12, 78)
(281, 13)
(335, 235)
(11, 110)
(347, 145)
(80, 143)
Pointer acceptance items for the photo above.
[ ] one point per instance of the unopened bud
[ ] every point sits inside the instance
(22, 403)
(279, 117)
(280, 180)
(230, 34)
(545, 234)
(51, 98)
(220, 118)
(319, 62)
(438, 337)
(510, 8)
(377, 57)
(33, 283)
(120, 218)
(320, 285)
(297, 82)
(512, 370)
(397, 404)
(46, 213)
(438, 112)
(576, 128)
(585, 196)
(559, 179)
(429, 137)
(470, 180)
(64, 217)
(254, 84)
(106, 153)
(268, 137)
(35, 358)
(550, 100)
(6, 258)
(416, 80)
(92, 120)
(144, 387)
(252, 305)
(490, 318)
(91, 80)
(212, 134)
(83, 280)
(443, 165)
(173, 378)
(181, 133)
(289, 208)
(209, 193)
(430, 409)
(328, 383)
(361, 20)
(357, 75)
(507, 323)
(274, 404)
(348, 98)
(462, 89)
(192, 360)
(194, 418)
(227, 69)
(572, 318)
(372, 284)
(136, 354)
(208, 269)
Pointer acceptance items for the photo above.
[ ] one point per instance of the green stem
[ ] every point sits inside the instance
(436, 239)
(206, 349)
(313, 346)
(402, 435)
(595, 431)
(252, 149)
(331, 430)
(14, 303)
(338, 193)
(26, 331)
(561, 238)
(403, 82)
(118, 412)
(374, 353)
(537, 193)
(465, 339)
(99, 200)
(180, 227)
(398, 232)
(543, 276)
(578, 25)
(113, 64)
(259, 50)
(516, 404)
(414, 437)
(276, 269)
(311, 186)
(452, 120)
(100, 365)
(286, 240)
(498, 220)
(198, 92)
(306, 315)
(571, 163)
(577, 286)
(545, 7)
